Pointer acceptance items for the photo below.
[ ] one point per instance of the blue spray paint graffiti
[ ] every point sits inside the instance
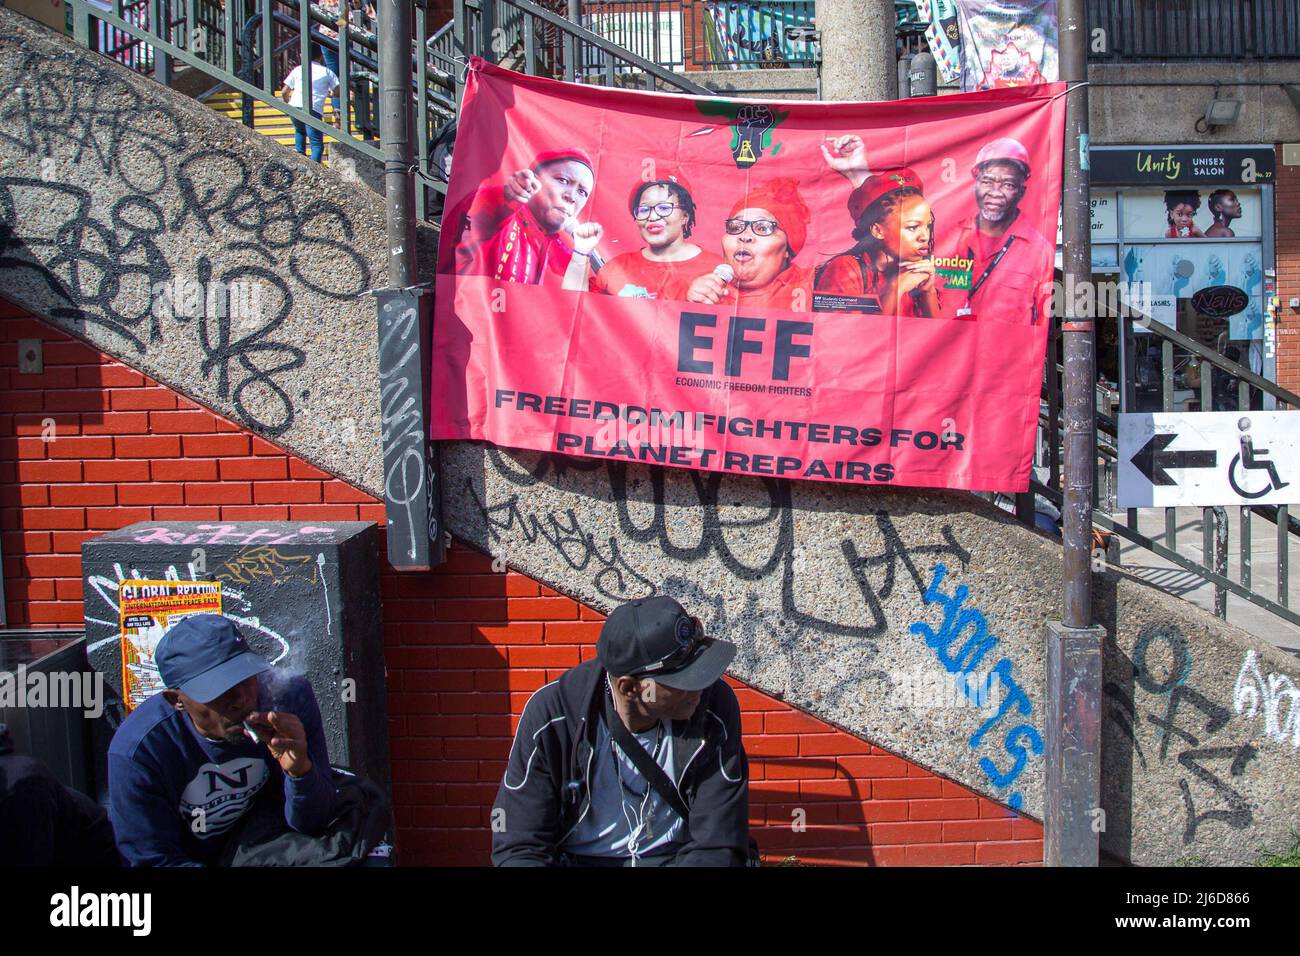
(1022, 739)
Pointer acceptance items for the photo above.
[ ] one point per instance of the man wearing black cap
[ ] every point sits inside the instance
(632, 759)
(186, 765)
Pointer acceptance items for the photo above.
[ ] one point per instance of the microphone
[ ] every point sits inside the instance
(571, 224)
(724, 272)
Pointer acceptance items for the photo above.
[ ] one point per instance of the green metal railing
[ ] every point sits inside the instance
(249, 46)
(1214, 566)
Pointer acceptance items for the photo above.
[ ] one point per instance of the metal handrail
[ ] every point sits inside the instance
(1218, 579)
(1214, 567)
(612, 56)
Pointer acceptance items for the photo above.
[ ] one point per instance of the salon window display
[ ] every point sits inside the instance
(1187, 213)
(1199, 221)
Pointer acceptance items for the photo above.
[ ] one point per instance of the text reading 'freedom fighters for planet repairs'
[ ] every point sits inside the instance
(681, 436)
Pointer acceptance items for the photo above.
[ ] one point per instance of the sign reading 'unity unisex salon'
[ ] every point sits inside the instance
(833, 291)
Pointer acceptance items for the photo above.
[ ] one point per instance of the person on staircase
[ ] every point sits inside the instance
(323, 82)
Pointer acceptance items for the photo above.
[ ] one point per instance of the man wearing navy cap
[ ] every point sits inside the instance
(187, 764)
(632, 759)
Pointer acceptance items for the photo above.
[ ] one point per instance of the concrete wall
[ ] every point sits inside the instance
(835, 594)
(113, 190)
(1123, 110)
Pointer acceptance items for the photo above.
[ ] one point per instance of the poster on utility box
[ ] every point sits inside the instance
(149, 609)
(855, 292)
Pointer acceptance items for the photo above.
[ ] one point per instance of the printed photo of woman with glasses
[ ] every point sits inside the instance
(664, 213)
(763, 235)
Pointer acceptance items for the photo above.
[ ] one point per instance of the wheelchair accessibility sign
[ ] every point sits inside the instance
(1200, 459)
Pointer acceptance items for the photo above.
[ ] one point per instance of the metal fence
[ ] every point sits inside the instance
(1154, 30)
(713, 34)
(1215, 566)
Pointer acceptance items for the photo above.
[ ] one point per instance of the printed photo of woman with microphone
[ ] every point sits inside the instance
(763, 234)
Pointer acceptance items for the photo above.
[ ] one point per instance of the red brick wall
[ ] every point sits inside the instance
(1286, 210)
(464, 646)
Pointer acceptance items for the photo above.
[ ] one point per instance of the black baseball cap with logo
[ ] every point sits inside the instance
(654, 637)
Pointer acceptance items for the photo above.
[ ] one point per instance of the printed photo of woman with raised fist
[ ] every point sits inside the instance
(526, 229)
(664, 213)
(763, 234)
(894, 233)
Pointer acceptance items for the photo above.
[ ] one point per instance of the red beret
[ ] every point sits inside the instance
(555, 155)
(880, 184)
(781, 198)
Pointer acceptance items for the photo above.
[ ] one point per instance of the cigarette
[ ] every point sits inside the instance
(252, 734)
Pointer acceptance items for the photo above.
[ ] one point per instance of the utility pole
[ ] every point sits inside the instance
(395, 127)
(412, 486)
(1073, 817)
(857, 50)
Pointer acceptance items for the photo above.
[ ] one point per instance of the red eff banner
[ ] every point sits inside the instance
(836, 291)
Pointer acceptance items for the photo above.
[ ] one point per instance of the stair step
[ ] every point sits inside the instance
(267, 120)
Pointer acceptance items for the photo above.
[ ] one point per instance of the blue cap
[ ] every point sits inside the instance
(204, 656)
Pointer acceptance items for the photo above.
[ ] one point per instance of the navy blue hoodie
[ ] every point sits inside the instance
(175, 795)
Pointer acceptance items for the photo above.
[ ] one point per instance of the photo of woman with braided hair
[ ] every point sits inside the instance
(891, 261)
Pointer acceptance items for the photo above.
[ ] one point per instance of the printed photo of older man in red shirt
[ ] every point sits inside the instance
(526, 229)
(1010, 263)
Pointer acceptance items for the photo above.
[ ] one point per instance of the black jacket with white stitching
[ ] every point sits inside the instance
(546, 789)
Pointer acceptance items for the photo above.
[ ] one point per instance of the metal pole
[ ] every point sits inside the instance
(412, 483)
(1073, 817)
(395, 122)
(572, 68)
(1079, 332)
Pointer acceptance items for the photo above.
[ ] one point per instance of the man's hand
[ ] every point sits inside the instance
(285, 737)
(708, 289)
(848, 157)
(522, 186)
(586, 235)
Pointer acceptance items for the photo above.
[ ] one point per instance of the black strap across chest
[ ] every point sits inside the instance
(648, 768)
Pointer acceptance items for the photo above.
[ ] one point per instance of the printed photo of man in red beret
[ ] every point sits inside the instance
(526, 229)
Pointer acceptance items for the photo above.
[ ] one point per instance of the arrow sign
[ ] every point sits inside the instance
(1152, 460)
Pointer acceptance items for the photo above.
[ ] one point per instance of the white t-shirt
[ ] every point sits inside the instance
(627, 817)
(323, 81)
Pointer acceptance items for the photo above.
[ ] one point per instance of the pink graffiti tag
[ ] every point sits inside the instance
(227, 534)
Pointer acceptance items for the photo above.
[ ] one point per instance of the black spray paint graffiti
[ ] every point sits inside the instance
(79, 105)
(1232, 807)
(789, 628)
(103, 263)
